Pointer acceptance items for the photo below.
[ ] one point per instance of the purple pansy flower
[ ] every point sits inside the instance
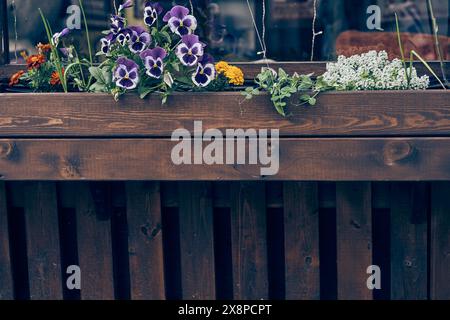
(180, 21)
(57, 36)
(190, 50)
(139, 40)
(126, 73)
(106, 43)
(124, 37)
(117, 24)
(151, 12)
(127, 4)
(153, 61)
(206, 71)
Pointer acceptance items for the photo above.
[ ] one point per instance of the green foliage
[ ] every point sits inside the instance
(409, 70)
(283, 88)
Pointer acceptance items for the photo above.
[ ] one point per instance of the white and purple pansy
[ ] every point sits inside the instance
(190, 50)
(206, 71)
(106, 43)
(126, 73)
(180, 21)
(124, 37)
(152, 12)
(153, 61)
(117, 24)
(57, 36)
(139, 40)
(127, 4)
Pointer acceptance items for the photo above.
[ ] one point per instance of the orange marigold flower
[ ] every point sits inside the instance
(222, 66)
(15, 78)
(43, 48)
(35, 61)
(54, 79)
(235, 76)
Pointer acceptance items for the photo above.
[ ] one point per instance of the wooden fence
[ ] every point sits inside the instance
(227, 240)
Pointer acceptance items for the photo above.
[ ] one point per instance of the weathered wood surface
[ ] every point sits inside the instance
(197, 241)
(94, 245)
(43, 241)
(145, 244)
(354, 239)
(337, 114)
(301, 240)
(310, 159)
(409, 241)
(249, 241)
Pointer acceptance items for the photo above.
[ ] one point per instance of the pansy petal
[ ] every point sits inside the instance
(179, 11)
(126, 84)
(190, 22)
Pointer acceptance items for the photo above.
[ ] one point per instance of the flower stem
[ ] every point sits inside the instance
(88, 40)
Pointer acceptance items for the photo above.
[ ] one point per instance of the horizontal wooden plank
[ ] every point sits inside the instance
(371, 113)
(308, 159)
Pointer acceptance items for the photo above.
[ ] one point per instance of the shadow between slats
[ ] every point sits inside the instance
(17, 240)
(171, 240)
(6, 279)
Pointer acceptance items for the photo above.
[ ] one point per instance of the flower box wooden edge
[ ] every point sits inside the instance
(348, 136)
(359, 114)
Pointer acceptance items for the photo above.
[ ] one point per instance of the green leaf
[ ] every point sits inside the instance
(96, 73)
(312, 101)
(428, 67)
(144, 92)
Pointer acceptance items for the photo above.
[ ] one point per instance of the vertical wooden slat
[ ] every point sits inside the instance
(6, 282)
(249, 246)
(440, 241)
(409, 241)
(43, 246)
(197, 241)
(145, 241)
(94, 248)
(301, 229)
(354, 239)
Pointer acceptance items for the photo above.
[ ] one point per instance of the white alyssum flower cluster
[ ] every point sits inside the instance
(372, 71)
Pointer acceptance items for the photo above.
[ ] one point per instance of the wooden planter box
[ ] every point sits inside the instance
(347, 136)
(225, 240)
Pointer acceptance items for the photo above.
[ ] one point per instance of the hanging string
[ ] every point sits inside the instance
(260, 39)
(314, 33)
(15, 30)
(264, 26)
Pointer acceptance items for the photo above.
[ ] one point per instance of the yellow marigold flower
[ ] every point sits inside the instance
(222, 66)
(235, 75)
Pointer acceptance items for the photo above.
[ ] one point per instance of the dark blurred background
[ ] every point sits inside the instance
(227, 27)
